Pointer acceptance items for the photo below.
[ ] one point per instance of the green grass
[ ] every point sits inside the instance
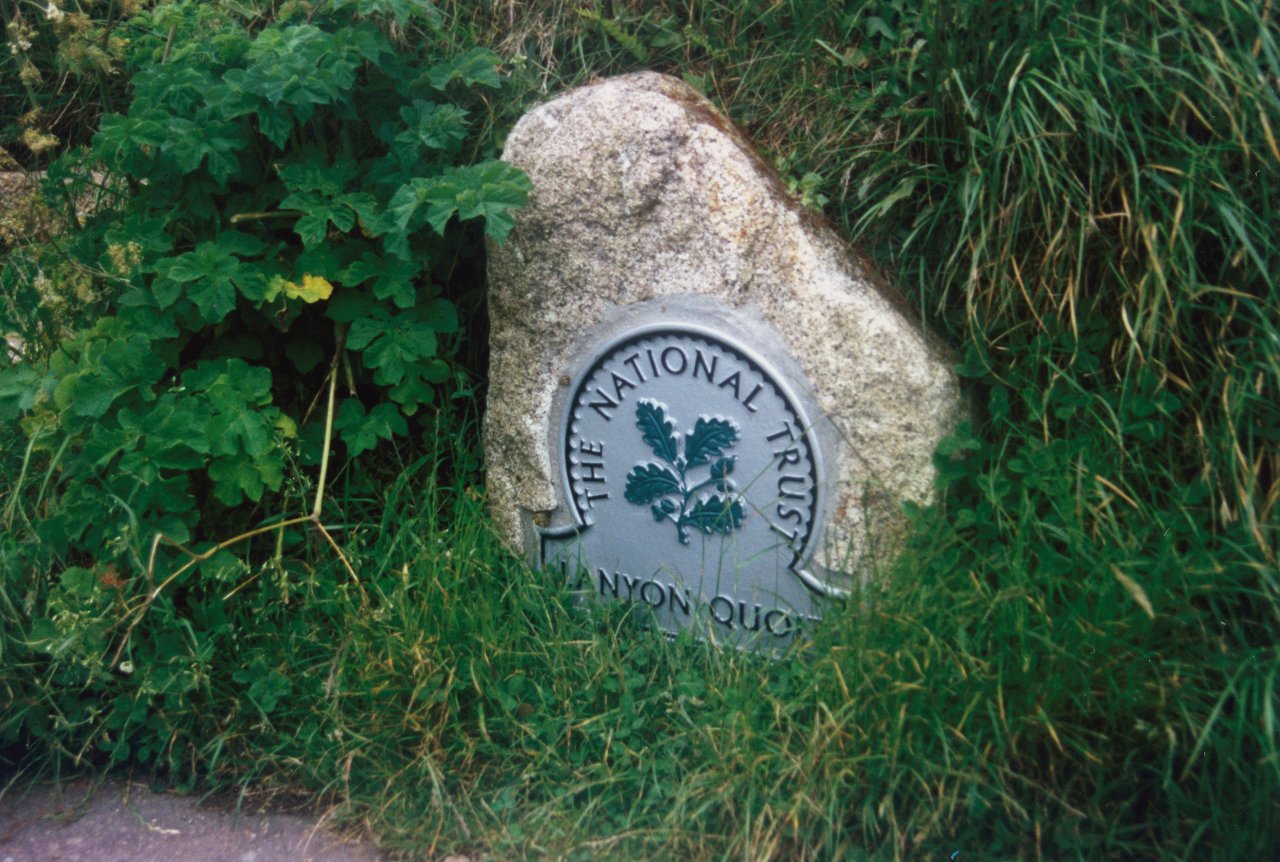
(1075, 658)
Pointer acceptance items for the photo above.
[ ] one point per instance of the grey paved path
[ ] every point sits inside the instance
(125, 822)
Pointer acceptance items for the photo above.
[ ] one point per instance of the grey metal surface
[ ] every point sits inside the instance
(694, 485)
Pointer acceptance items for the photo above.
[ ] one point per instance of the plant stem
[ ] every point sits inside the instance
(259, 216)
(328, 422)
(153, 592)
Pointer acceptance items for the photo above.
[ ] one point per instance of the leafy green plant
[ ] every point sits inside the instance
(1075, 659)
(271, 196)
(279, 207)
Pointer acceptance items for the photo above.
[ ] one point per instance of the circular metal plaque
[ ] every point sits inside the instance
(693, 479)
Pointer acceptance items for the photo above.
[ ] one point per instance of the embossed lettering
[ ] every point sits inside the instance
(776, 614)
(630, 581)
(790, 536)
(620, 383)
(610, 582)
(734, 380)
(746, 402)
(676, 598)
(700, 361)
(677, 352)
(725, 619)
(634, 361)
(785, 432)
(792, 495)
(599, 406)
(590, 471)
(659, 596)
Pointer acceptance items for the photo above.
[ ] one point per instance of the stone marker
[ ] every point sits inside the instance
(699, 401)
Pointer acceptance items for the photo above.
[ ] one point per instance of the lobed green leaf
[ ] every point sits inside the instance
(477, 67)
(657, 430)
(710, 437)
(649, 482)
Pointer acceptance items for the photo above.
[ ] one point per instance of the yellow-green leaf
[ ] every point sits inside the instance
(287, 427)
(313, 288)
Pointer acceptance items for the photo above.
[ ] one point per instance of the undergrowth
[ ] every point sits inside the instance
(1076, 656)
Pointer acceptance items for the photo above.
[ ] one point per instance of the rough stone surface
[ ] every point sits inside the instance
(643, 192)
